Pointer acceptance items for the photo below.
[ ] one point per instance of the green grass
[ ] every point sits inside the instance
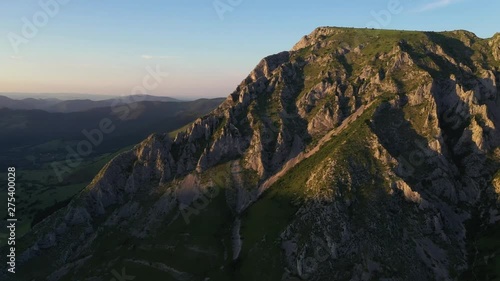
(174, 133)
(40, 189)
(266, 219)
(197, 247)
(417, 116)
(53, 145)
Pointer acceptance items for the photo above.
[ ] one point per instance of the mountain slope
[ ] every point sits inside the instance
(358, 155)
(45, 148)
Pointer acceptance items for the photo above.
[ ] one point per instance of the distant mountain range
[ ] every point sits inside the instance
(59, 96)
(133, 122)
(76, 105)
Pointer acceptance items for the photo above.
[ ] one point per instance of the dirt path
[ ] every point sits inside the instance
(236, 241)
(236, 171)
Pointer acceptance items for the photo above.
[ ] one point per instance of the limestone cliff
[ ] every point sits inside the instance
(358, 155)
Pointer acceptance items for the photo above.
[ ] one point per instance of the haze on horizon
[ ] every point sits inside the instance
(207, 48)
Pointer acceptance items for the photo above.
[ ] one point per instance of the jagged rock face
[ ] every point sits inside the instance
(315, 37)
(381, 145)
(495, 46)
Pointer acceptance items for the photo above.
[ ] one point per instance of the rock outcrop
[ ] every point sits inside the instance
(358, 155)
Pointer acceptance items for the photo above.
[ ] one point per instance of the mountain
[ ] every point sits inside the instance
(84, 105)
(358, 155)
(25, 131)
(28, 103)
(59, 96)
(76, 105)
(71, 96)
(57, 154)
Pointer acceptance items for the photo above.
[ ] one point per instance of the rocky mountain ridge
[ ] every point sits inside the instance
(358, 155)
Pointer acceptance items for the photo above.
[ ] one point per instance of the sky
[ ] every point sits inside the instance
(188, 48)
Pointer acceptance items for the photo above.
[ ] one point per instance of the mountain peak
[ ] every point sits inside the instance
(358, 143)
(318, 33)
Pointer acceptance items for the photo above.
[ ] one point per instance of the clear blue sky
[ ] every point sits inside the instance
(104, 46)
